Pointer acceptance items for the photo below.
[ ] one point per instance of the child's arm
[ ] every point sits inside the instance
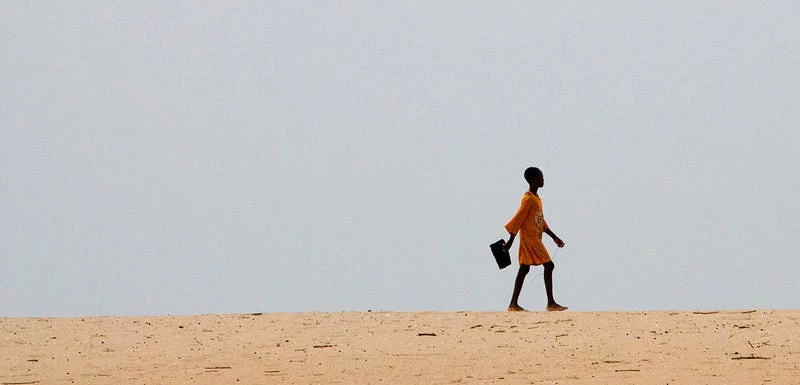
(515, 223)
(556, 239)
(508, 244)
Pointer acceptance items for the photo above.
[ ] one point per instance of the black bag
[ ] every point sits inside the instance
(500, 255)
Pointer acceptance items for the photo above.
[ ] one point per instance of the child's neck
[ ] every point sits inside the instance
(534, 190)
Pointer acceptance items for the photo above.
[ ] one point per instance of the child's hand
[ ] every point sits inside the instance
(559, 242)
(507, 244)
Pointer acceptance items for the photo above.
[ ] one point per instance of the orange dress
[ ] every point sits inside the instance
(529, 222)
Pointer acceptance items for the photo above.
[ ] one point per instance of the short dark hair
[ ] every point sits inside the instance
(531, 173)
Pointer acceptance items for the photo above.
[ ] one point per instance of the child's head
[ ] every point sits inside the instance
(534, 176)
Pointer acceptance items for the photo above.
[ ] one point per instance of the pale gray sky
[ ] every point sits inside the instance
(280, 156)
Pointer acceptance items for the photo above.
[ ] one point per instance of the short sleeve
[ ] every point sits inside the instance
(516, 222)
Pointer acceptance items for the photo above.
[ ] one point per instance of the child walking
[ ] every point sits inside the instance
(529, 222)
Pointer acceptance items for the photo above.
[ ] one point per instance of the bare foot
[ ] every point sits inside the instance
(515, 308)
(556, 307)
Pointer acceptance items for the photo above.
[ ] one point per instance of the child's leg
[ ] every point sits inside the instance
(548, 286)
(548, 281)
(523, 271)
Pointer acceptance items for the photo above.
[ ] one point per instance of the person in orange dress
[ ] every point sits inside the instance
(529, 222)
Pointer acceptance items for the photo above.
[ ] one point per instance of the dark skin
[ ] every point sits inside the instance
(552, 305)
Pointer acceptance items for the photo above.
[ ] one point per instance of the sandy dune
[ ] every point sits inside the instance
(726, 347)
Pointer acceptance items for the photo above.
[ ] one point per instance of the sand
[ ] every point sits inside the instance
(725, 347)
